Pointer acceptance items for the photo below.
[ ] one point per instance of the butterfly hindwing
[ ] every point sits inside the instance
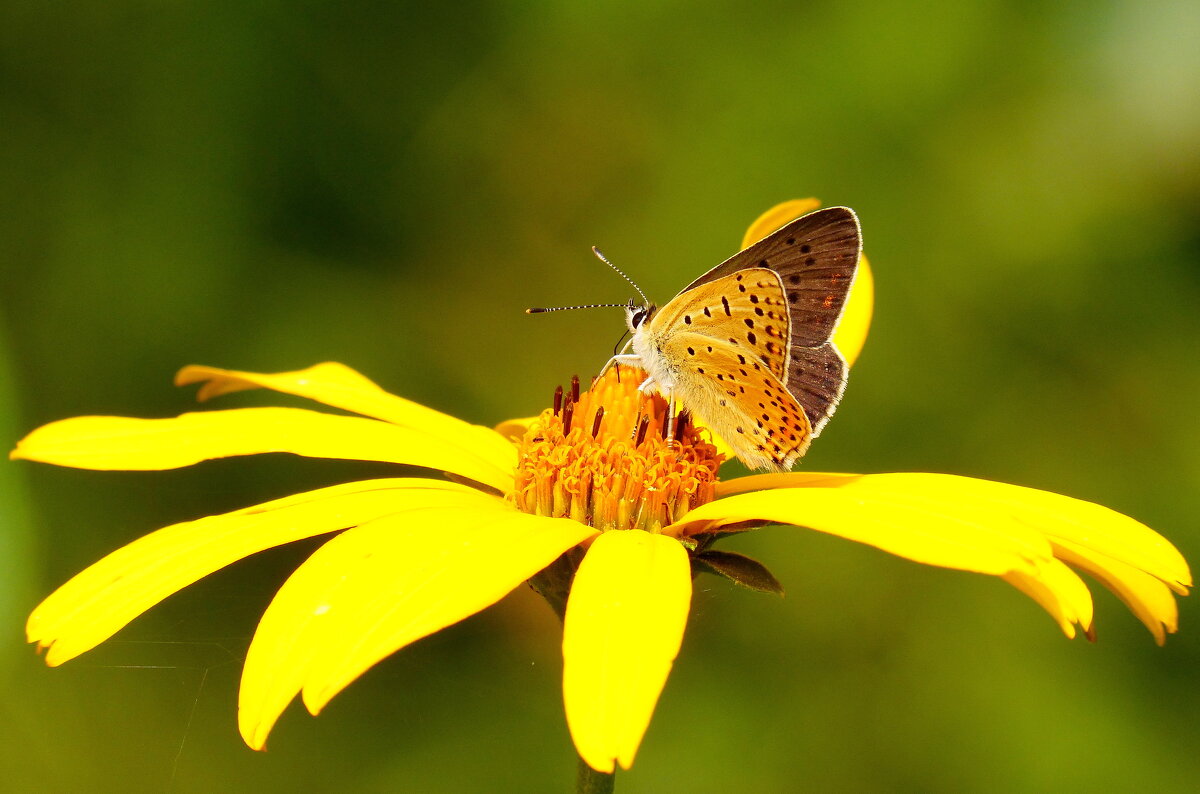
(817, 378)
(743, 311)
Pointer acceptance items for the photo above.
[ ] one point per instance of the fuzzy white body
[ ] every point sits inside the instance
(663, 379)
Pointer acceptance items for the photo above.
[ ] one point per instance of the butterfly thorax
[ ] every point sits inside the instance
(647, 341)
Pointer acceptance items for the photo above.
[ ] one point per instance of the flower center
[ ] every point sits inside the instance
(603, 457)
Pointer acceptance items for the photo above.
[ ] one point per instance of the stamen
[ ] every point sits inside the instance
(574, 388)
(558, 395)
(628, 472)
(680, 422)
(641, 431)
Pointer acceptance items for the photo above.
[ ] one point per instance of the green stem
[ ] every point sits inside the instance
(589, 781)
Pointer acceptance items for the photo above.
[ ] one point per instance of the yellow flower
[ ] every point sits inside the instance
(588, 502)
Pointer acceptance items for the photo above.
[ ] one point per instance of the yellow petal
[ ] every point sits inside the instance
(723, 448)
(1057, 517)
(341, 387)
(103, 598)
(1147, 597)
(1074, 521)
(1058, 590)
(851, 333)
(428, 578)
(114, 442)
(329, 382)
(374, 589)
(1061, 518)
(1133, 561)
(624, 624)
(924, 524)
(514, 429)
(767, 482)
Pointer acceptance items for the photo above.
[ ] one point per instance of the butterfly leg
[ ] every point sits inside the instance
(671, 420)
(628, 359)
(649, 387)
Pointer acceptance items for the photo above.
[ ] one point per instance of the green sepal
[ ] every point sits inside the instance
(739, 569)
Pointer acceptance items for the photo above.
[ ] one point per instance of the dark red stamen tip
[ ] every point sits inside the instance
(643, 426)
(680, 424)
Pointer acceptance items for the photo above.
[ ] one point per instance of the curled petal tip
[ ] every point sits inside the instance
(192, 374)
(316, 701)
(254, 731)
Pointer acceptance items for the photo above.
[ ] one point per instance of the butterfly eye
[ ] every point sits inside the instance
(637, 318)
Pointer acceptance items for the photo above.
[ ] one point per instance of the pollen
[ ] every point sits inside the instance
(602, 457)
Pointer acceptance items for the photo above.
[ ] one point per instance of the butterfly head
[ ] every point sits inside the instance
(636, 316)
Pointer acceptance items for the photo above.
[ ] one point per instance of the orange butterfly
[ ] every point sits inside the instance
(747, 346)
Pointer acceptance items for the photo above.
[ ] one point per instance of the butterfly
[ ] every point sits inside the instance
(747, 347)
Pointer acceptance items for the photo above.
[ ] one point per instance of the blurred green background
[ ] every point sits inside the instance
(268, 185)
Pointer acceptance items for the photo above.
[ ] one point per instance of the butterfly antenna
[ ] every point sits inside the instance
(544, 309)
(621, 273)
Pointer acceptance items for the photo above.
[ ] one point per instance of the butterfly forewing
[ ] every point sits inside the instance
(744, 311)
(816, 257)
